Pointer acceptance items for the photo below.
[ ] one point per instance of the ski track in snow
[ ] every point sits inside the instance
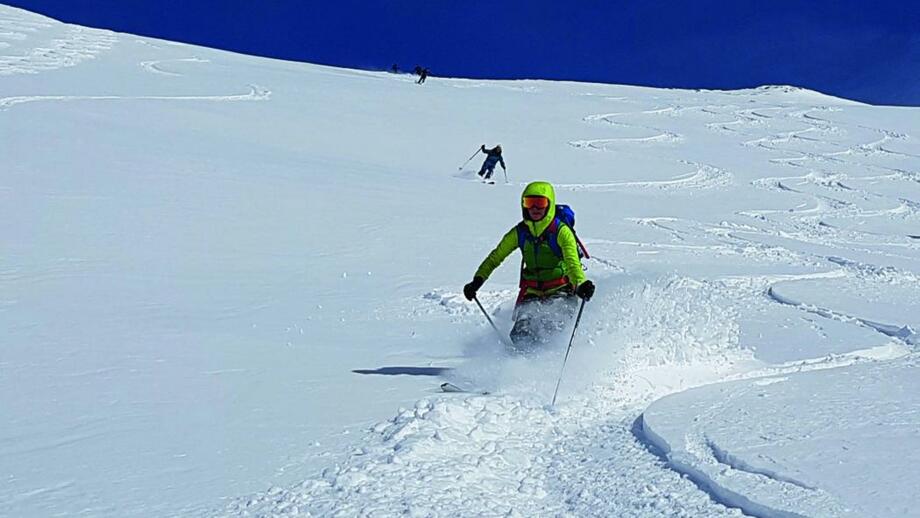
(44, 45)
(806, 222)
(704, 177)
(48, 46)
(155, 66)
(830, 194)
(901, 332)
(256, 93)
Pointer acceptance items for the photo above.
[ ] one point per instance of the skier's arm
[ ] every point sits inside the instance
(502, 161)
(569, 246)
(506, 246)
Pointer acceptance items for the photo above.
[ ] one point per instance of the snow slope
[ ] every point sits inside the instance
(230, 286)
(847, 452)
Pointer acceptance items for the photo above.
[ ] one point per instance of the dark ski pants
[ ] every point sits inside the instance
(537, 320)
(488, 167)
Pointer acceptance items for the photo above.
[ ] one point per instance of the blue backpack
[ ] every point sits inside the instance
(564, 216)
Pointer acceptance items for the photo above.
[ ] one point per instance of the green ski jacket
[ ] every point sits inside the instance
(541, 264)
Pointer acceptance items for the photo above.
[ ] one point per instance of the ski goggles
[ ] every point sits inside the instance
(540, 202)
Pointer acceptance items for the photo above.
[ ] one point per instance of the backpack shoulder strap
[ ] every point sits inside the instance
(522, 233)
(550, 235)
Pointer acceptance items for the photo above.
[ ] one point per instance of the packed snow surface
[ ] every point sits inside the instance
(230, 286)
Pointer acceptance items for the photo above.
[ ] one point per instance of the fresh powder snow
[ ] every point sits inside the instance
(231, 286)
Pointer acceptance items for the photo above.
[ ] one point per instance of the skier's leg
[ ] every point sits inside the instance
(550, 317)
(561, 310)
(522, 332)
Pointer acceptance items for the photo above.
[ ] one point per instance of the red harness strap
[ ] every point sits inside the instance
(540, 285)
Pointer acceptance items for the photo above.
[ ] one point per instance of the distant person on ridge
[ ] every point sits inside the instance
(423, 75)
(493, 156)
(551, 273)
(394, 69)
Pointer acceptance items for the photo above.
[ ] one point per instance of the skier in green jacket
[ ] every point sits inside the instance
(548, 279)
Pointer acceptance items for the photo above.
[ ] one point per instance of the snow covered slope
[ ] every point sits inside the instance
(847, 451)
(230, 286)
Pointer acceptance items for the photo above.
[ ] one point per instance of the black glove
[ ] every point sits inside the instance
(469, 291)
(585, 290)
(482, 148)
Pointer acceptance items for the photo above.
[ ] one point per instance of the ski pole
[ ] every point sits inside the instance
(499, 333)
(468, 160)
(577, 319)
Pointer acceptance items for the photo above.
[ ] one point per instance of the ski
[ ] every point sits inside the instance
(451, 388)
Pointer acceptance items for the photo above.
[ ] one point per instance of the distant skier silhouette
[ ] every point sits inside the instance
(423, 75)
(493, 156)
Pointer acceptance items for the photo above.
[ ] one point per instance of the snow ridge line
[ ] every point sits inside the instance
(697, 464)
(734, 462)
(903, 333)
(716, 473)
(723, 495)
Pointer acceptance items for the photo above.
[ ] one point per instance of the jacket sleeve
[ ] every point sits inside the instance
(569, 246)
(506, 246)
(502, 160)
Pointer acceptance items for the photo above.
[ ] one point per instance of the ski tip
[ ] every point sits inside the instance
(450, 387)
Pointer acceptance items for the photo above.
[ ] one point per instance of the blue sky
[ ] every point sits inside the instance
(862, 50)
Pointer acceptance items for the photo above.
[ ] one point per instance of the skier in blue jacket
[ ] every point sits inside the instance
(493, 156)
